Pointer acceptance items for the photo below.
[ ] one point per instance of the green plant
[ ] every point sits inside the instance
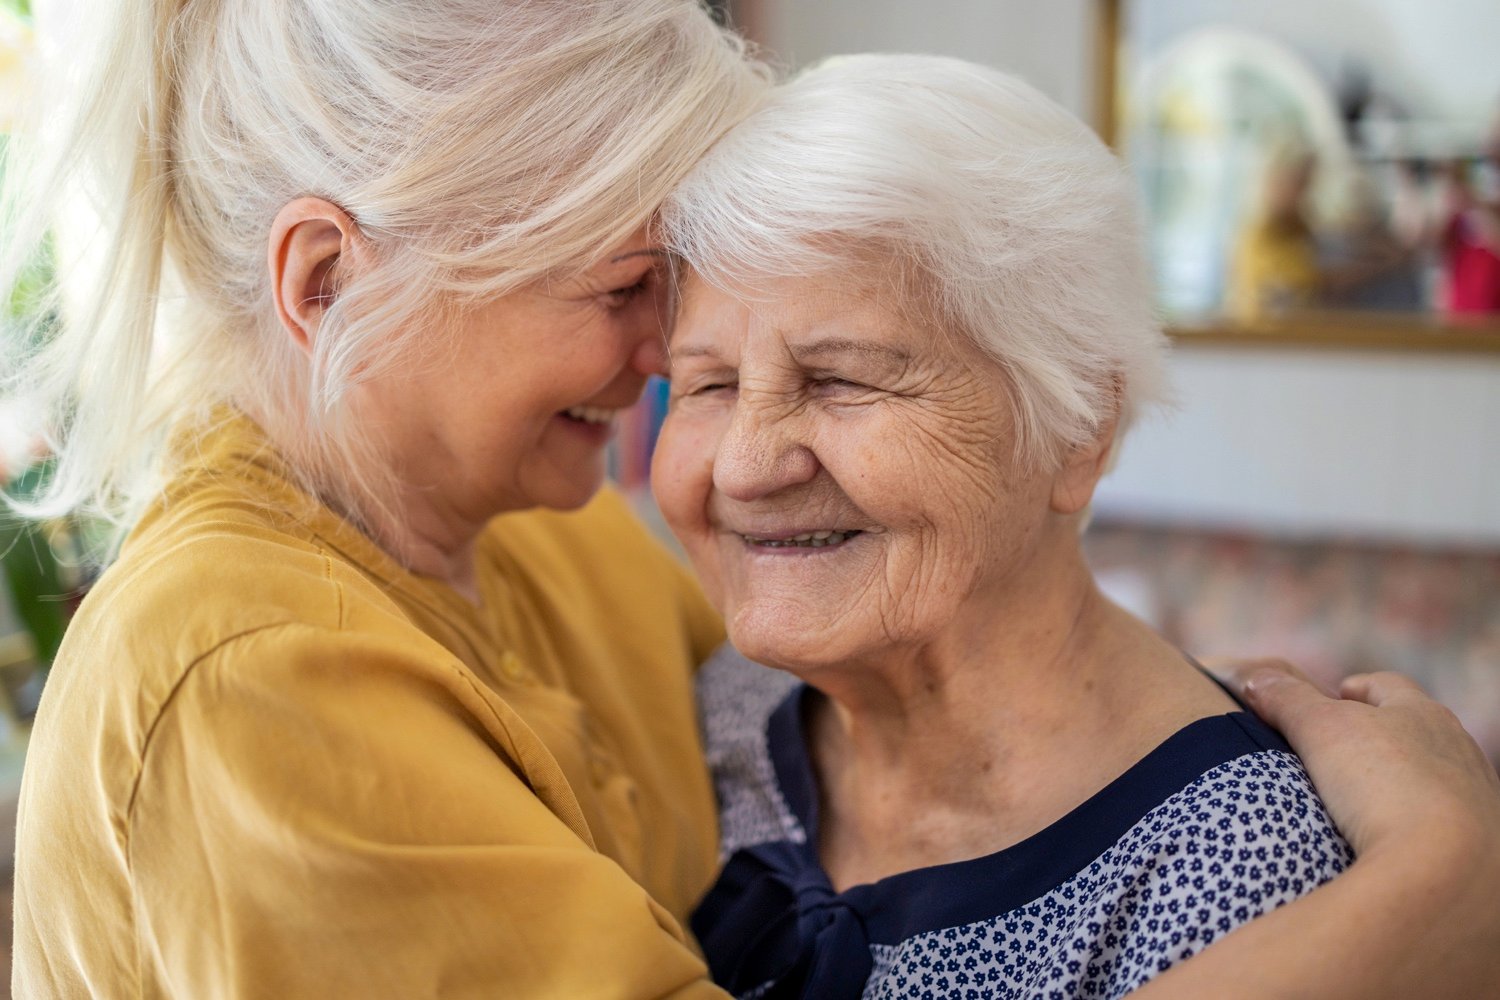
(38, 582)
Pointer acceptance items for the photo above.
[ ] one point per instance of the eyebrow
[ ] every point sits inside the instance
(648, 252)
(691, 351)
(804, 352)
(848, 345)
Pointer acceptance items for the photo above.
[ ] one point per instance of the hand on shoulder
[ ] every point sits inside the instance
(1392, 764)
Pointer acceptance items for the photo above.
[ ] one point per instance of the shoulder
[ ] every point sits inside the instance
(737, 699)
(1216, 827)
(600, 564)
(1248, 826)
(602, 540)
(1244, 837)
(219, 583)
(1255, 821)
(195, 582)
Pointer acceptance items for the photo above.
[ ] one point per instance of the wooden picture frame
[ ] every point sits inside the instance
(1313, 328)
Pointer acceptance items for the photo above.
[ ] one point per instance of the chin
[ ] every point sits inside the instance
(794, 638)
(571, 494)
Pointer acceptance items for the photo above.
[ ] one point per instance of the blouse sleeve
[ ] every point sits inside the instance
(320, 814)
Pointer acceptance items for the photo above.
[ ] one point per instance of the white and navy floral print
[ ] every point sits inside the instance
(1214, 827)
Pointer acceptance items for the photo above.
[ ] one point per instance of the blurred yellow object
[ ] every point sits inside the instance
(17, 47)
(1275, 268)
(17, 648)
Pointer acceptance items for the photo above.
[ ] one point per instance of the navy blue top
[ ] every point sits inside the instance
(1215, 826)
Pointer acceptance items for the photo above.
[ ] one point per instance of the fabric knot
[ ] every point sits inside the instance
(779, 936)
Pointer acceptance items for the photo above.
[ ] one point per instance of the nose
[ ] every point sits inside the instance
(650, 354)
(761, 453)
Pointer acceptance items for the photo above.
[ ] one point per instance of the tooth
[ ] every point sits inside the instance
(822, 534)
(590, 414)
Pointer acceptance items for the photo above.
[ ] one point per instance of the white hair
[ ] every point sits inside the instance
(478, 144)
(1014, 223)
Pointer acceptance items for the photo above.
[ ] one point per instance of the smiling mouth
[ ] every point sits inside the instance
(594, 415)
(807, 540)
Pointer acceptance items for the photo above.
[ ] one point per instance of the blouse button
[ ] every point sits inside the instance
(513, 669)
(599, 769)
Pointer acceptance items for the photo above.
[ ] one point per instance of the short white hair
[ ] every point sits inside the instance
(1017, 226)
(479, 145)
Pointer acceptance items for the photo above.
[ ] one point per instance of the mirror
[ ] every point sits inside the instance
(1325, 171)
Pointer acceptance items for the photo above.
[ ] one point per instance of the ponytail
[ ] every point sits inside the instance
(88, 184)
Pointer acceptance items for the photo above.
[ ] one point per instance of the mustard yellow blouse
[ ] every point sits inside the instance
(272, 763)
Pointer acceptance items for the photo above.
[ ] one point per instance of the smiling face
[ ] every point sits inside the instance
(517, 413)
(844, 481)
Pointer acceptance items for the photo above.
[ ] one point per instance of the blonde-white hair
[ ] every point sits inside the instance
(1011, 221)
(478, 144)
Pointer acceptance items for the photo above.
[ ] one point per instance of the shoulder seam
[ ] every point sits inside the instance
(510, 753)
(338, 589)
(1255, 737)
(166, 703)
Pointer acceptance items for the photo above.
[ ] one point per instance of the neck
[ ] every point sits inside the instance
(1023, 648)
(419, 528)
(1038, 695)
(430, 541)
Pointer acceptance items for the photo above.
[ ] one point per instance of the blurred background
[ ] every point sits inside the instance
(1322, 185)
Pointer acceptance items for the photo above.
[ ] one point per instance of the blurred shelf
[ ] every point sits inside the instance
(1326, 329)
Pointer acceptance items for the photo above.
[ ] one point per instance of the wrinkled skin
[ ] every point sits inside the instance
(822, 409)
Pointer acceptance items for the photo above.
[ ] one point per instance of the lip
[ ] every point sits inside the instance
(811, 547)
(782, 535)
(597, 434)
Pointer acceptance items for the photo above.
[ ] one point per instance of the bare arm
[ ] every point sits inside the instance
(1418, 914)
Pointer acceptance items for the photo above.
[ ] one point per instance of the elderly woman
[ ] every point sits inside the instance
(916, 325)
(365, 707)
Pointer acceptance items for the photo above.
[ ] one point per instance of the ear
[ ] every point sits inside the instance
(313, 242)
(1073, 484)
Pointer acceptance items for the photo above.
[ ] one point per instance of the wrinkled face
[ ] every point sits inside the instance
(843, 480)
(519, 412)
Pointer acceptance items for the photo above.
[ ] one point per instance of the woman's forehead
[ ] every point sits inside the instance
(810, 316)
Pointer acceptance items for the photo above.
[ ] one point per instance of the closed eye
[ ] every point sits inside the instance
(833, 386)
(620, 297)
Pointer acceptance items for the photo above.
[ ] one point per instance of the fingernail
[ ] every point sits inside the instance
(1262, 681)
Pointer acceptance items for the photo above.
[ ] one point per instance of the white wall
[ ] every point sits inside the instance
(1046, 41)
(1401, 446)
(1312, 442)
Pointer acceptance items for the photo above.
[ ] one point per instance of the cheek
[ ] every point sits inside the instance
(916, 471)
(682, 474)
(681, 481)
(944, 490)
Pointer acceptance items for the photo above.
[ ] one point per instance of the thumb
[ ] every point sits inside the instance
(1277, 691)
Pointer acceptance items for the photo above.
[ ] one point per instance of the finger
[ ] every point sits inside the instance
(1281, 695)
(1379, 688)
(1236, 671)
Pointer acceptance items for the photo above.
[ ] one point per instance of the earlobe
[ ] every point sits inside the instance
(313, 244)
(1073, 485)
